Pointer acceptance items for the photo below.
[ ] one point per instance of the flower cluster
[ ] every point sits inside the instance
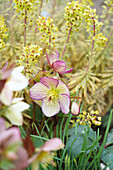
(22, 5)
(12, 80)
(90, 118)
(73, 14)
(3, 31)
(30, 58)
(48, 29)
(94, 27)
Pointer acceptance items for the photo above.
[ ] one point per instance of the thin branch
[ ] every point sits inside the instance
(11, 31)
(66, 42)
(53, 8)
(25, 22)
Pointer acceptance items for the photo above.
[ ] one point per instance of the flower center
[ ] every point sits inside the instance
(53, 95)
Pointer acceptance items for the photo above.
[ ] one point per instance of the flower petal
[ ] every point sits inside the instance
(62, 88)
(54, 57)
(14, 116)
(17, 80)
(19, 106)
(68, 71)
(75, 109)
(6, 95)
(38, 91)
(52, 145)
(64, 103)
(50, 108)
(49, 82)
(2, 125)
(59, 66)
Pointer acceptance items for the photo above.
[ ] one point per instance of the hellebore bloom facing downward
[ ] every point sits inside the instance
(58, 65)
(54, 95)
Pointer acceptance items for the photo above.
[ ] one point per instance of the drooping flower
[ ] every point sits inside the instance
(53, 94)
(13, 80)
(75, 109)
(12, 154)
(13, 112)
(57, 65)
(44, 154)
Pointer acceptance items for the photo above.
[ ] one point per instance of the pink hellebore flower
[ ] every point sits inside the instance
(44, 154)
(14, 81)
(58, 65)
(11, 149)
(54, 95)
(75, 109)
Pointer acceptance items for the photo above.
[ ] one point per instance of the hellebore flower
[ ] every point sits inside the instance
(75, 109)
(57, 65)
(13, 112)
(54, 95)
(12, 154)
(44, 154)
(13, 80)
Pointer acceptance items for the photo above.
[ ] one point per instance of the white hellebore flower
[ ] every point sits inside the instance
(13, 112)
(75, 109)
(16, 82)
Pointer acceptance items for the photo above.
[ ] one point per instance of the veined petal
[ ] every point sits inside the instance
(17, 82)
(62, 88)
(14, 116)
(50, 108)
(49, 82)
(54, 57)
(19, 106)
(75, 109)
(68, 71)
(6, 95)
(64, 103)
(38, 91)
(59, 66)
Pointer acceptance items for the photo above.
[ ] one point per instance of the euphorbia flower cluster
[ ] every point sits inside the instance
(57, 65)
(53, 94)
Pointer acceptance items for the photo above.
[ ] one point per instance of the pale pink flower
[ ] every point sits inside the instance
(53, 94)
(75, 109)
(11, 80)
(11, 148)
(57, 65)
(44, 154)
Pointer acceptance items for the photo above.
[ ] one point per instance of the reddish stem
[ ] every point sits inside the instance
(66, 42)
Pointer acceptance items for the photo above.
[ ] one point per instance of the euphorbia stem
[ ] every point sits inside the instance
(25, 22)
(53, 8)
(92, 47)
(66, 42)
(11, 33)
(39, 15)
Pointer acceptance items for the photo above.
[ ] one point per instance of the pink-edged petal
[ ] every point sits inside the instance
(38, 91)
(49, 82)
(59, 66)
(6, 95)
(68, 71)
(64, 103)
(52, 145)
(62, 88)
(2, 125)
(50, 108)
(75, 109)
(54, 57)
(48, 59)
